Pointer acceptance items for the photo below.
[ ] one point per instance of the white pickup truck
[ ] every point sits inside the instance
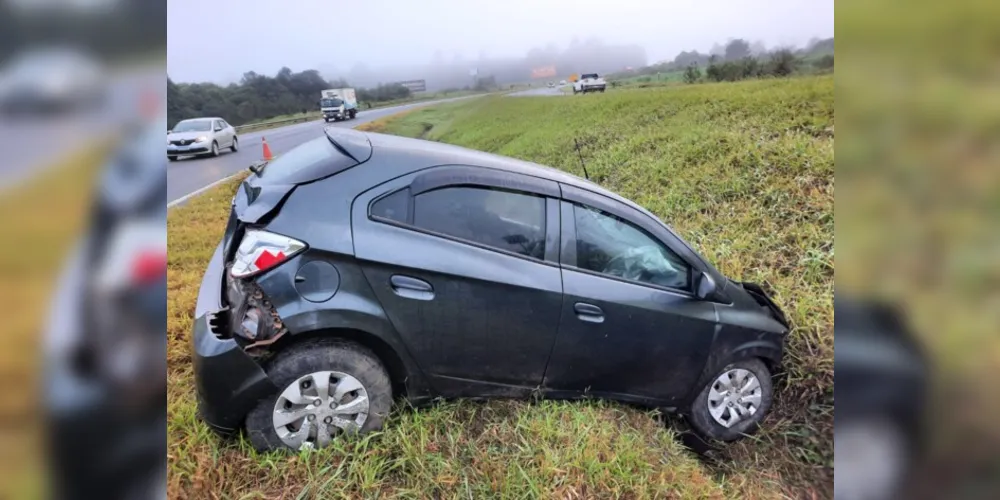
(589, 82)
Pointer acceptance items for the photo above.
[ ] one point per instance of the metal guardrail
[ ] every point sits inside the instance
(307, 118)
(287, 121)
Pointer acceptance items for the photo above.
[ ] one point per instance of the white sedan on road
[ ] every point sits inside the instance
(199, 136)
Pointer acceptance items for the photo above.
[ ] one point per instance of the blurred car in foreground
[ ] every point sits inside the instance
(200, 136)
(882, 384)
(105, 347)
(443, 271)
(52, 80)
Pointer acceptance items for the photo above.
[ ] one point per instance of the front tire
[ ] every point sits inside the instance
(172, 158)
(215, 149)
(734, 402)
(354, 380)
(236, 145)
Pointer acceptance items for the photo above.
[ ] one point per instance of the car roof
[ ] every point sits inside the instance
(437, 153)
(200, 118)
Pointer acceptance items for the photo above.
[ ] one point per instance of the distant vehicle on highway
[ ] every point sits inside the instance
(552, 84)
(562, 82)
(338, 104)
(52, 80)
(589, 82)
(360, 267)
(201, 136)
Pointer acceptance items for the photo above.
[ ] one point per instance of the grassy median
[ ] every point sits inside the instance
(744, 171)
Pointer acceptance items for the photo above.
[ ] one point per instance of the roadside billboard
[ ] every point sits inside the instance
(543, 72)
(415, 85)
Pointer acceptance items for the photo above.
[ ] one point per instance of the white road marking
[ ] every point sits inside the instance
(188, 196)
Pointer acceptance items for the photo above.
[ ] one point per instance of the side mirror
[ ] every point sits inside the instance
(705, 287)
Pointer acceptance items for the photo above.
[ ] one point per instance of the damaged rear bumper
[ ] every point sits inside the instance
(229, 382)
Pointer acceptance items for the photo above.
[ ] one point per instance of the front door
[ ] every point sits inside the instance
(631, 328)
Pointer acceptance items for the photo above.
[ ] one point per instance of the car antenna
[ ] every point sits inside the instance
(257, 167)
(582, 164)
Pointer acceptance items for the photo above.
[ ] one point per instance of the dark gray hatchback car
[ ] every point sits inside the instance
(362, 267)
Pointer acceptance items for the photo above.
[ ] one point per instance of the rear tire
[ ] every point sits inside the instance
(326, 355)
(700, 412)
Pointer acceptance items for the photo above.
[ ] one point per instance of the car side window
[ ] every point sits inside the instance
(223, 124)
(219, 125)
(395, 207)
(610, 245)
(510, 221)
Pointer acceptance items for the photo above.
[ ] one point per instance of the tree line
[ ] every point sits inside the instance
(738, 59)
(260, 97)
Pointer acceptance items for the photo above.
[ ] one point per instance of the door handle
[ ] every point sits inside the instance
(411, 288)
(588, 312)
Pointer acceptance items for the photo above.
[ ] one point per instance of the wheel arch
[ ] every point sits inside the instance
(768, 351)
(405, 383)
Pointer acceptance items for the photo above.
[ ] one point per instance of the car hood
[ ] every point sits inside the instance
(186, 135)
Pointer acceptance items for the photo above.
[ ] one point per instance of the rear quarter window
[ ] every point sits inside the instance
(506, 220)
(395, 207)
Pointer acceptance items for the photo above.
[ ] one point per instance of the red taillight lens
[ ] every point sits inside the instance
(261, 250)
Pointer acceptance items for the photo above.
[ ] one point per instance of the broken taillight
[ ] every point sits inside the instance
(262, 250)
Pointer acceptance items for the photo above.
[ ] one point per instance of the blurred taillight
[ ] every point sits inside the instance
(149, 266)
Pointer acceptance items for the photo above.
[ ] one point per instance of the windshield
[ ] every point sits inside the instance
(193, 126)
(331, 103)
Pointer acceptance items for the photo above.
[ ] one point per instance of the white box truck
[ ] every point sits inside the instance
(338, 104)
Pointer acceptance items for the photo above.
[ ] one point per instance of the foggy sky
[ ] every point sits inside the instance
(218, 40)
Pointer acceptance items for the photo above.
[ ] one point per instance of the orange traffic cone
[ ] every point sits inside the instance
(267, 150)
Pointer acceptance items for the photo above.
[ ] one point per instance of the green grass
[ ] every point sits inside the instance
(743, 171)
(664, 78)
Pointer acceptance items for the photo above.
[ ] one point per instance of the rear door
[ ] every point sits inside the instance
(229, 130)
(465, 263)
(226, 134)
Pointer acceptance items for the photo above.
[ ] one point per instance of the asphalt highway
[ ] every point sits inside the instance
(188, 176)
